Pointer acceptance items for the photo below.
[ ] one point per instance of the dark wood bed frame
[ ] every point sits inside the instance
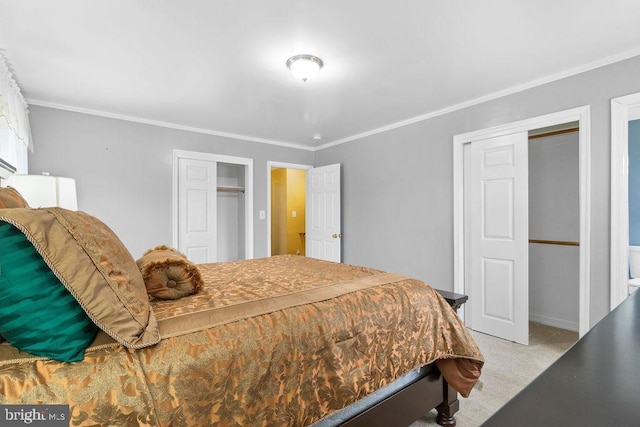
(412, 403)
(427, 392)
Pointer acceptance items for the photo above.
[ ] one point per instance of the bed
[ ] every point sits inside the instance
(285, 340)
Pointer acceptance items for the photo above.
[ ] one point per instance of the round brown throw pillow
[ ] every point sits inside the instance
(168, 274)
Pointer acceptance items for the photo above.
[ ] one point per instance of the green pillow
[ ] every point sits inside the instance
(38, 314)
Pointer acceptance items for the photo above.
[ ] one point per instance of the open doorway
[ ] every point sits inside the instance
(288, 194)
(212, 206)
(504, 295)
(286, 208)
(623, 110)
(554, 226)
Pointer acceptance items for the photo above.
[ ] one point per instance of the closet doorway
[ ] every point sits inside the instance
(213, 206)
(554, 226)
(492, 227)
(286, 206)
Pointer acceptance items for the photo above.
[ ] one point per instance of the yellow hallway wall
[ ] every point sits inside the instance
(278, 211)
(296, 202)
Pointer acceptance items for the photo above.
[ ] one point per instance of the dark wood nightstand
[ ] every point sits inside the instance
(454, 300)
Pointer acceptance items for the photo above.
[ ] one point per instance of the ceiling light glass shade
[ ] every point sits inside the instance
(304, 66)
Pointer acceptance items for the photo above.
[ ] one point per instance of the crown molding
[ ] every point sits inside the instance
(490, 97)
(486, 98)
(169, 125)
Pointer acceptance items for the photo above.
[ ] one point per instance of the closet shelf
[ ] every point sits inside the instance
(230, 189)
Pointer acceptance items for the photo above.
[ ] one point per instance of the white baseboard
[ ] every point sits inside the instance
(556, 323)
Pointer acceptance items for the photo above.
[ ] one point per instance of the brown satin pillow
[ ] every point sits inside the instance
(11, 198)
(94, 265)
(168, 274)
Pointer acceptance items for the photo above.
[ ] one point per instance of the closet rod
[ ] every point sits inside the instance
(554, 242)
(230, 190)
(554, 133)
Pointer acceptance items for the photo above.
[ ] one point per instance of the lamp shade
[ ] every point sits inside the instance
(43, 191)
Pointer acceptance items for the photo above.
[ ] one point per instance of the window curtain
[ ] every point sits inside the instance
(15, 132)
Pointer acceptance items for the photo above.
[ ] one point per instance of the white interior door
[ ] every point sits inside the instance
(323, 229)
(197, 205)
(499, 256)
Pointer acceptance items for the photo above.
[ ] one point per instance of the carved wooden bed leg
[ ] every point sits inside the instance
(448, 407)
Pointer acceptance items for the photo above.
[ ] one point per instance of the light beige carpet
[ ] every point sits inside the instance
(508, 368)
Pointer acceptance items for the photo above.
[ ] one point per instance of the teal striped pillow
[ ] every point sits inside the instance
(38, 314)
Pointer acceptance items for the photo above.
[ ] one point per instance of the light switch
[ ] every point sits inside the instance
(294, 214)
(262, 214)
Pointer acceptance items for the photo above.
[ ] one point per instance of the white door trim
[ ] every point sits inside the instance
(271, 165)
(248, 191)
(583, 116)
(620, 110)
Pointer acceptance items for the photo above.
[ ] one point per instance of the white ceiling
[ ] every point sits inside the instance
(218, 66)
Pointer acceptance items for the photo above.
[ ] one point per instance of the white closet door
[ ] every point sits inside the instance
(197, 206)
(499, 291)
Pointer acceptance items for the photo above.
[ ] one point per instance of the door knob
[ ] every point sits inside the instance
(335, 236)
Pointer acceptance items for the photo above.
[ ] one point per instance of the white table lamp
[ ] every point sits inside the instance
(42, 191)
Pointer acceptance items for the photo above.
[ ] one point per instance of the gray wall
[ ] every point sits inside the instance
(123, 170)
(398, 185)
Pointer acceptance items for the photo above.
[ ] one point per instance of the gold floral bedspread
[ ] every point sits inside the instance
(324, 336)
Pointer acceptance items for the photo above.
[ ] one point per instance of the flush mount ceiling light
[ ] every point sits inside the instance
(304, 66)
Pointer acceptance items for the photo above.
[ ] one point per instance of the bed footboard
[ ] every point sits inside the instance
(411, 403)
(415, 400)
